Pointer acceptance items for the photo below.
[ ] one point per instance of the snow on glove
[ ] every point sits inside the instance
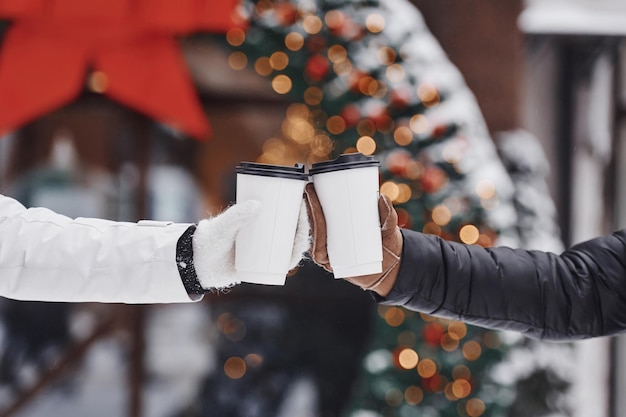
(391, 237)
(214, 245)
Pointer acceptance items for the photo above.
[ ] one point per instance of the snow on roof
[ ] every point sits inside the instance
(574, 17)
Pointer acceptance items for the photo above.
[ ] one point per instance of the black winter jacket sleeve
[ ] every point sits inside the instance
(578, 294)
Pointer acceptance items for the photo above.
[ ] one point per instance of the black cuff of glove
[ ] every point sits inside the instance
(184, 261)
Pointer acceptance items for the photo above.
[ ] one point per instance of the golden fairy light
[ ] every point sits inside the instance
(342, 68)
(321, 145)
(366, 127)
(403, 136)
(471, 350)
(366, 145)
(490, 203)
(448, 392)
(234, 329)
(448, 343)
(413, 395)
(395, 73)
(457, 330)
(237, 60)
(461, 388)
(253, 360)
(441, 215)
(294, 41)
(394, 316)
(428, 94)
(313, 96)
(427, 318)
(426, 368)
(408, 358)
(404, 193)
(298, 111)
(234, 367)
(337, 54)
(492, 340)
(274, 151)
(336, 125)
(485, 189)
(386, 55)
(312, 24)
(235, 36)
(452, 153)
(279, 60)
(390, 189)
(419, 123)
(298, 130)
(368, 85)
(394, 397)
(281, 84)
(381, 90)
(474, 407)
(431, 228)
(262, 66)
(461, 372)
(98, 82)
(469, 234)
(414, 170)
(375, 23)
(334, 19)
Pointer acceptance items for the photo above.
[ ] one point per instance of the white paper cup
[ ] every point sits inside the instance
(348, 190)
(263, 247)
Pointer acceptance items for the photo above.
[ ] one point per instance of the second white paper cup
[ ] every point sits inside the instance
(348, 189)
(263, 247)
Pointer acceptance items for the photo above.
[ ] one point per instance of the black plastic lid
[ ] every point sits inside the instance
(344, 161)
(267, 170)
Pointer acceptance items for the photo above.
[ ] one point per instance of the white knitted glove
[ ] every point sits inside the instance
(214, 244)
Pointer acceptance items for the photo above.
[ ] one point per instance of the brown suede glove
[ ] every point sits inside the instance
(380, 283)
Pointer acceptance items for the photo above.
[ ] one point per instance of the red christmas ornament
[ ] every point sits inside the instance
(433, 179)
(400, 97)
(397, 162)
(286, 14)
(440, 130)
(348, 29)
(316, 67)
(316, 44)
(130, 43)
(381, 118)
(351, 115)
(432, 333)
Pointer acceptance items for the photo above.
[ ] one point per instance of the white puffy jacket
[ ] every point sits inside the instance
(49, 257)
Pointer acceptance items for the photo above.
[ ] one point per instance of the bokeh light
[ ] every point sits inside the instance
(237, 60)
(469, 234)
(235, 367)
(413, 395)
(472, 350)
(235, 36)
(408, 358)
(281, 84)
(426, 368)
(294, 41)
(366, 145)
(375, 23)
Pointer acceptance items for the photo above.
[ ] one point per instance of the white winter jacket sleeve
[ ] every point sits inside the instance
(45, 256)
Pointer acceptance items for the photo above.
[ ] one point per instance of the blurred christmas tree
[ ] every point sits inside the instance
(368, 76)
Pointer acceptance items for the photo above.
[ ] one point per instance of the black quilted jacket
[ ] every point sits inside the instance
(578, 294)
